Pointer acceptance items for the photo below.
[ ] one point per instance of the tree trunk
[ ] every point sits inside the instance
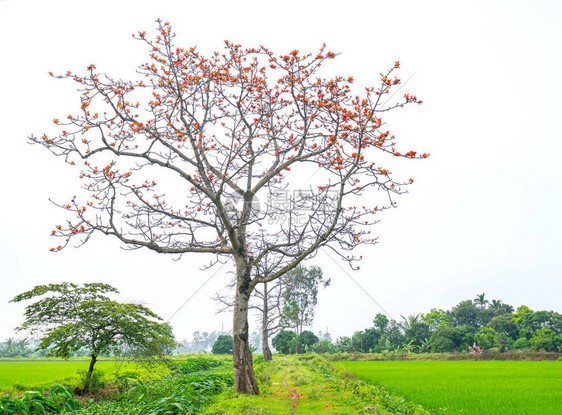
(244, 377)
(267, 356)
(89, 374)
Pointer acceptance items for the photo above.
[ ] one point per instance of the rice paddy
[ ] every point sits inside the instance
(470, 387)
(32, 374)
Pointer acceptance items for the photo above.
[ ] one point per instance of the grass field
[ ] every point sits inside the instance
(475, 388)
(33, 374)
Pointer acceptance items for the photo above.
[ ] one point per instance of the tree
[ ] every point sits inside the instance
(442, 340)
(486, 338)
(300, 296)
(409, 321)
(546, 339)
(480, 300)
(466, 313)
(15, 348)
(463, 337)
(323, 346)
(343, 344)
(307, 339)
(197, 155)
(501, 308)
(269, 306)
(392, 337)
(436, 318)
(380, 322)
(282, 341)
(223, 345)
(267, 300)
(417, 333)
(74, 317)
(367, 340)
(504, 324)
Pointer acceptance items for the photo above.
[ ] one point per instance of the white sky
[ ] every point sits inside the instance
(483, 215)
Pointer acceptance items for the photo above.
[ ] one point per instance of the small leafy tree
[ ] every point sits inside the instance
(223, 345)
(380, 322)
(75, 317)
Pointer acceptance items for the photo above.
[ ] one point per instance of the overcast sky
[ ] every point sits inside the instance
(483, 215)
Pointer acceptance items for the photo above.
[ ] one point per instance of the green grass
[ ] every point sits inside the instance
(19, 375)
(474, 388)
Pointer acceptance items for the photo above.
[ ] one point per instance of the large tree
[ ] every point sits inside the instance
(198, 155)
(69, 317)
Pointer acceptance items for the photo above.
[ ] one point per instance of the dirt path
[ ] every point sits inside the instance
(293, 394)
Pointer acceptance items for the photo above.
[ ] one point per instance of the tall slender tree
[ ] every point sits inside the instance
(300, 296)
(196, 156)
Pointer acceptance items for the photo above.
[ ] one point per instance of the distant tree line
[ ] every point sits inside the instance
(489, 324)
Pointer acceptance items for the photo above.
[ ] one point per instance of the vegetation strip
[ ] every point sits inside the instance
(298, 386)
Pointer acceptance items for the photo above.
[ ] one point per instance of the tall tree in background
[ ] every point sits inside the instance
(300, 296)
(269, 296)
(197, 155)
(73, 317)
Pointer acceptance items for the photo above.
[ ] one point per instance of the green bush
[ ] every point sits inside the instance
(522, 344)
(282, 341)
(97, 381)
(223, 345)
(197, 364)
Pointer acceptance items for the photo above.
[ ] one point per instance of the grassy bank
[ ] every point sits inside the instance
(492, 354)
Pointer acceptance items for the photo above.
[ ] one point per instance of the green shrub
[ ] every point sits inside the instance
(223, 345)
(522, 344)
(97, 381)
(197, 364)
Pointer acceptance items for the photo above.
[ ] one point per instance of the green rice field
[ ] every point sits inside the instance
(470, 387)
(32, 374)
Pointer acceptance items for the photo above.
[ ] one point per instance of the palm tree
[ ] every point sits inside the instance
(409, 321)
(496, 304)
(480, 300)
